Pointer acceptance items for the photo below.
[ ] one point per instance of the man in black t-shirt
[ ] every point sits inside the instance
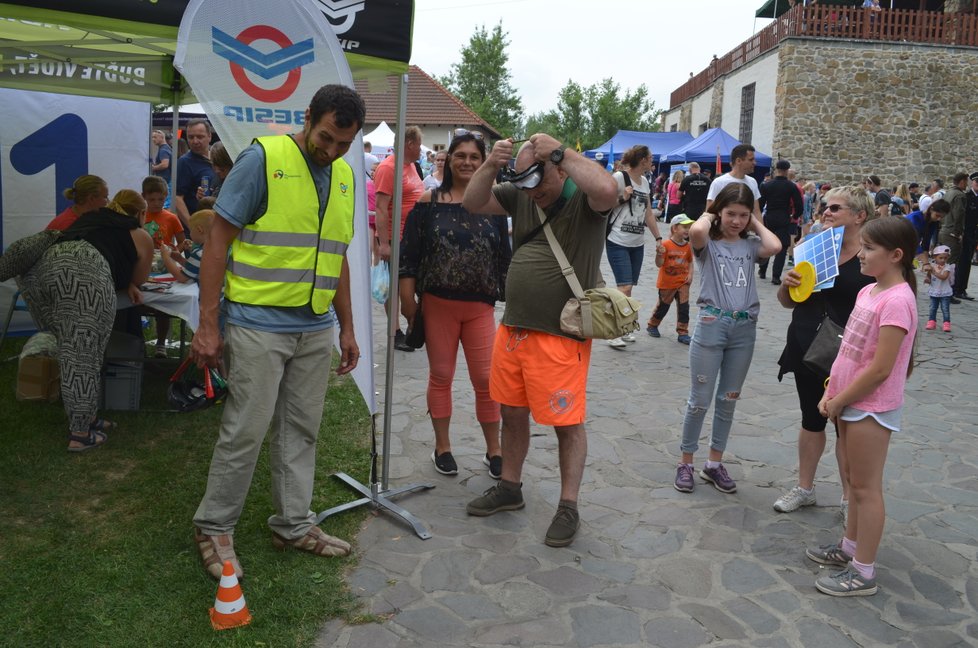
(780, 201)
(693, 190)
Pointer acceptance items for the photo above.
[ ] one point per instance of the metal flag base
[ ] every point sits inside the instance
(378, 494)
(380, 499)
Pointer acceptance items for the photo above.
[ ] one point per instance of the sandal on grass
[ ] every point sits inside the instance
(100, 425)
(316, 541)
(88, 440)
(214, 550)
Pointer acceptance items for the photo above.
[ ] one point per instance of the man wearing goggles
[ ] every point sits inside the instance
(536, 368)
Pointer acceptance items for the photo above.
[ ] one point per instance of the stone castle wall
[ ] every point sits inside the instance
(901, 111)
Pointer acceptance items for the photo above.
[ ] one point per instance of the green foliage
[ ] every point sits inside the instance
(592, 115)
(482, 81)
(97, 549)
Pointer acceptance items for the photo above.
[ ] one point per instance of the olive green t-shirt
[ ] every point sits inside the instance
(536, 291)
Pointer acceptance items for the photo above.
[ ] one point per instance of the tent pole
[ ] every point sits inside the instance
(175, 113)
(378, 495)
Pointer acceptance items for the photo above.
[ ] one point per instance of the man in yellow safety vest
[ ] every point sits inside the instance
(286, 214)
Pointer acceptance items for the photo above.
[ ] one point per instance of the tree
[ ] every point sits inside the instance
(592, 115)
(482, 81)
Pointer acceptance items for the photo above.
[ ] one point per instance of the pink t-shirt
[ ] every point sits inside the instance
(673, 193)
(412, 187)
(896, 306)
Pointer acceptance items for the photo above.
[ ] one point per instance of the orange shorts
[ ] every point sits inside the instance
(546, 373)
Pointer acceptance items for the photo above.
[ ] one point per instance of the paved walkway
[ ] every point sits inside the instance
(651, 566)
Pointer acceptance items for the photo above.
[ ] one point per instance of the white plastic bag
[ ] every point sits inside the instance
(380, 282)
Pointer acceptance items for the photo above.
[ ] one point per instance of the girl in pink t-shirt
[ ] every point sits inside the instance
(865, 397)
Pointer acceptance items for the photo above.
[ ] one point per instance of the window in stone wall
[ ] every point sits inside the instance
(705, 126)
(673, 128)
(747, 113)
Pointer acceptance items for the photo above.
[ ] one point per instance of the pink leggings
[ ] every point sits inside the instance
(446, 323)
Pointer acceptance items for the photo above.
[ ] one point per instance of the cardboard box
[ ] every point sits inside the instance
(38, 379)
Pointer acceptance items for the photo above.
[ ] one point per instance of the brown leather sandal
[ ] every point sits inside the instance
(316, 541)
(214, 550)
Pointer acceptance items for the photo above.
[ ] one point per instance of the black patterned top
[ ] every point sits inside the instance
(455, 254)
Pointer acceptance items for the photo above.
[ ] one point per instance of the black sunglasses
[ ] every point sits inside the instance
(526, 179)
(458, 132)
(835, 208)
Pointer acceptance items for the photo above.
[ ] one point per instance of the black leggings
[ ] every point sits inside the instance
(810, 389)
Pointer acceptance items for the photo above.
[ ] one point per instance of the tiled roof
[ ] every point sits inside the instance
(428, 102)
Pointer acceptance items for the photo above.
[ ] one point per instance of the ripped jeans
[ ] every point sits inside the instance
(722, 347)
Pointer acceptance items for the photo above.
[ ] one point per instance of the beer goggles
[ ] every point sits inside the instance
(526, 179)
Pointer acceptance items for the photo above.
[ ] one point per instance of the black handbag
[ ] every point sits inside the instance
(825, 347)
(414, 337)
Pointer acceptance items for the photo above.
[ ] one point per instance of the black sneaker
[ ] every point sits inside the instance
(400, 344)
(498, 498)
(444, 463)
(563, 527)
(495, 465)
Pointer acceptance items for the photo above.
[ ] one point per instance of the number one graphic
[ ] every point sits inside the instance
(62, 143)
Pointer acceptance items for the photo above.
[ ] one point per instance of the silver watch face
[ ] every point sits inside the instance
(557, 156)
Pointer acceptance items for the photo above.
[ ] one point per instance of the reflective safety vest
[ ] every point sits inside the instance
(293, 254)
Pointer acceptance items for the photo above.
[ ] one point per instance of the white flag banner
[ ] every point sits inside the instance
(254, 66)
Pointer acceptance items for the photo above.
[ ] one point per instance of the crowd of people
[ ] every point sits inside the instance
(270, 259)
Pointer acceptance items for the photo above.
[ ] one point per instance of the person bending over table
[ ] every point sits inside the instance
(71, 292)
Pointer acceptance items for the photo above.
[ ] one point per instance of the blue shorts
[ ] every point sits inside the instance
(626, 262)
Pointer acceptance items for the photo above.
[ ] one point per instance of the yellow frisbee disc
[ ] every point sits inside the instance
(803, 291)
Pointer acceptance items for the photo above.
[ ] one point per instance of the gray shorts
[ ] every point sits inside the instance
(889, 419)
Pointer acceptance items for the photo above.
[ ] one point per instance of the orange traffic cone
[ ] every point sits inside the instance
(230, 610)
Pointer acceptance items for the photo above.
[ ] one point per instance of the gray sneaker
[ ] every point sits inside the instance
(495, 499)
(847, 582)
(563, 527)
(829, 554)
(794, 500)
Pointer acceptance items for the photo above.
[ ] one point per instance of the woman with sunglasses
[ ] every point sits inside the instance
(453, 266)
(848, 207)
(625, 244)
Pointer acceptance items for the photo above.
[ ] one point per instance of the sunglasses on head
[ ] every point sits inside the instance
(458, 132)
(526, 179)
(835, 208)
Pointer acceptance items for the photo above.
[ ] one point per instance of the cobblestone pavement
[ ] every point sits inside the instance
(654, 567)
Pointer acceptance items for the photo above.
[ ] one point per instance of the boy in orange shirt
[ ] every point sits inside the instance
(166, 229)
(674, 258)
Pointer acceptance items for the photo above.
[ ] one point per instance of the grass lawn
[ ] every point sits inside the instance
(97, 549)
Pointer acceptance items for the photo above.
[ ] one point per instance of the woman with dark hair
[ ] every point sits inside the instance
(625, 244)
(71, 292)
(848, 207)
(726, 328)
(453, 268)
(87, 192)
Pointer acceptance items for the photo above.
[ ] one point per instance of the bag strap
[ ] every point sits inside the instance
(565, 268)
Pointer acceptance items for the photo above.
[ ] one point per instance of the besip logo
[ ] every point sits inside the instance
(341, 14)
(288, 60)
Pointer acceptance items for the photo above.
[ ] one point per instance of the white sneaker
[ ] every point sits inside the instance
(794, 500)
(628, 338)
(617, 343)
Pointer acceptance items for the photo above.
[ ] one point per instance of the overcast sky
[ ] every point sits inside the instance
(655, 42)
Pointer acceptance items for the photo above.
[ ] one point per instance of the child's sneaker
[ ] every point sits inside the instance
(653, 331)
(684, 339)
(947, 327)
(847, 582)
(684, 479)
(931, 325)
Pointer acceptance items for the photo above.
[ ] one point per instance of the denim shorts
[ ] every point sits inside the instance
(625, 262)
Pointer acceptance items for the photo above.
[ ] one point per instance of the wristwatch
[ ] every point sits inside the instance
(557, 156)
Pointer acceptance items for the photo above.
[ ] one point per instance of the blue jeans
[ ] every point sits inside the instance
(722, 347)
(945, 304)
(625, 262)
